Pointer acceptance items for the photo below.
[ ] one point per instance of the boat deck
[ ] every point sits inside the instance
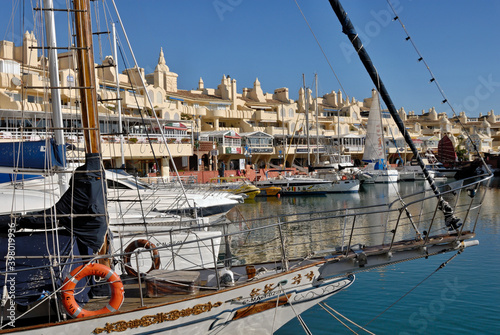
(358, 258)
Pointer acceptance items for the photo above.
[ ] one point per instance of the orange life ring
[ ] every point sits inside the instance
(91, 269)
(141, 244)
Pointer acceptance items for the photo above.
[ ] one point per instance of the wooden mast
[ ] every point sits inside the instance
(88, 106)
(86, 76)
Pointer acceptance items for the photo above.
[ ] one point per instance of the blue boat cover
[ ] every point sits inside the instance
(86, 195)
(31, 277)
(42, 154)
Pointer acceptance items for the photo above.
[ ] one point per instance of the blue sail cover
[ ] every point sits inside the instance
(380, 165)
(32, 154)
(36, 155)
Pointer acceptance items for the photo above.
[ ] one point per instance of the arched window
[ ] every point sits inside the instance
(176, 116)
(166, 116)
(159, 98)
(290, 112)
(151, 96)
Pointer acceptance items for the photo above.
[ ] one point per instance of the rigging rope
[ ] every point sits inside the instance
(322, 51)
(435, 81)
(407, 293)
(301, 321)
(324, 306)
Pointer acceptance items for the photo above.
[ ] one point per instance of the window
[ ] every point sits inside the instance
(35, 99)
(14, 96)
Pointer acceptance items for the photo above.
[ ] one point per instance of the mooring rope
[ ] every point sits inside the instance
(421, 282)
(325, 306)
(301, 321)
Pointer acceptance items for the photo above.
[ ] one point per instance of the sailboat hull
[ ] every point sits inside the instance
(371, 176)
(256, 307)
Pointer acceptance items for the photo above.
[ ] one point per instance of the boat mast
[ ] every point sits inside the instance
(317, 128)
(143, 83)
(54, 90)
(88, 93)
(118, 97)
(306, 106)
(348, 29)
(385, 162)
(283, 134)
(338, 137)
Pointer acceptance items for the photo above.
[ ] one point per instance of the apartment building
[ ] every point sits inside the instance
(203, 127)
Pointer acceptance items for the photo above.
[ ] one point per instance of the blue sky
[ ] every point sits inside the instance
(270, 40)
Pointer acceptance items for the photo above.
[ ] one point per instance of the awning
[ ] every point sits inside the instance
(261, 107)
(220, 103)
(175, 126)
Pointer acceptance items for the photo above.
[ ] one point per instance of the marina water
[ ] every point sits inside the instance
(460, 298)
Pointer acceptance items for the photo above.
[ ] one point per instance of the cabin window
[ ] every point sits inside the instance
(113, 185)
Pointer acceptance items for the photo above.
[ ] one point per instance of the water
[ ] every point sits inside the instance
(461, 298)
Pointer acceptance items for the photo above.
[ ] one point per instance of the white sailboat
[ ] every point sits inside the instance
(305, 185)
(264, 276)
(377, 170)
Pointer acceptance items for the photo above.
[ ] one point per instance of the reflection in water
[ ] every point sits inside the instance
(323, 224)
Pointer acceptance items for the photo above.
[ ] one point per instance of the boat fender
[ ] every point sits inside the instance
(155, 255)
(344, 177)
(91, 269)
(226, 277)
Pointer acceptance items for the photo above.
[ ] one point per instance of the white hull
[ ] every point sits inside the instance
(225, 312)
(370, 176)
(177, 250)
(413, 175)
(304, 186)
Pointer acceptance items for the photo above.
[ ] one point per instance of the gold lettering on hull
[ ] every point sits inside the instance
(149, 320)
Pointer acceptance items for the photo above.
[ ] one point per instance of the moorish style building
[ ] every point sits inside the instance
(202, 127)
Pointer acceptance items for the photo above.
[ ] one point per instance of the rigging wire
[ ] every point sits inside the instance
(297, 315)
(322, 51)
(412, 289)
(324, 305)
(435, 81)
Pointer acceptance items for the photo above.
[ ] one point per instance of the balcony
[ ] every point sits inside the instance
(261, 115)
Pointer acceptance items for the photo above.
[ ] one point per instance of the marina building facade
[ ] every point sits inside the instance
(201, 128)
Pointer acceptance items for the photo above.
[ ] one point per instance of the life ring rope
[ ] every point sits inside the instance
(91, 269)
(141, 243)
